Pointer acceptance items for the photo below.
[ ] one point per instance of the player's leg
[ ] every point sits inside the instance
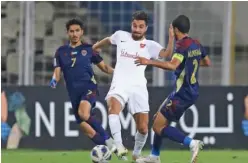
(89, 124)
(84, 112)
(141, 120)
(115, 105)
(163, 130)
(82, 117)
(170, 111)
(139, 108)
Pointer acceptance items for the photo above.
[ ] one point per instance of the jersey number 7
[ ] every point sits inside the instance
(73, 61)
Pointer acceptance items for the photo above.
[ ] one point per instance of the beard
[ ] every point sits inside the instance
(137, 37)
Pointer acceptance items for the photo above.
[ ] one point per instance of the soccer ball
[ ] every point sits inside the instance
(100, 154)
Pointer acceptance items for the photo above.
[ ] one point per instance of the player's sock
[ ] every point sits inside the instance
(140, 141)
(97, 126)
(175, 135)
(98, 139)
(115, 128)
(157, 142)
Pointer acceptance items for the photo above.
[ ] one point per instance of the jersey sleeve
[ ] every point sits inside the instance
(96, 58)
(178, 53)
(56, 62)
(204, 53)
(114, 38)
(154, 49)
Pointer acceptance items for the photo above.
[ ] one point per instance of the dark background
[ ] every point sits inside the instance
(208, 95)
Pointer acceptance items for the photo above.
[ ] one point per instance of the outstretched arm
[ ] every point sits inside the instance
(172, 65)
(113, 39)
(97, 46)
(105, 68)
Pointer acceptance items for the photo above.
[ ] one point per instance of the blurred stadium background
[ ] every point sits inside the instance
(31, 32)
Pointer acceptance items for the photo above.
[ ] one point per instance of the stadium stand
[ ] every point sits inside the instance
(102, 19)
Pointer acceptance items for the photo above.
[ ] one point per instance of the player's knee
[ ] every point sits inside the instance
(143, 129)
(114, 106)
(89, 134)
(113, 110)
(84, 116)
(157, 129)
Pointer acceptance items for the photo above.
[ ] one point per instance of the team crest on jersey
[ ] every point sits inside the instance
(142, 45)
(84, 52)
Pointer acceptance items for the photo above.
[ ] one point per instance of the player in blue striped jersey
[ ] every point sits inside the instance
(189, 54)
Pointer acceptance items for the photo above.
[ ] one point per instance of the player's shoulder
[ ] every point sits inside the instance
(151, 42)
(86, 45)
(61, 49)
(196, 41)
(184, 43)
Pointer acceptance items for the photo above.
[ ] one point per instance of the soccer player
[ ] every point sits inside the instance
(129, 82)
(188, 56)
(74, 60)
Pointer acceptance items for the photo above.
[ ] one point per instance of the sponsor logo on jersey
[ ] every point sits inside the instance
(142, 45)
(84, 52)
(74, 53)
(128, 55)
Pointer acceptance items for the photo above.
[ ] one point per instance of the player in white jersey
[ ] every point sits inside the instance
(129, 82)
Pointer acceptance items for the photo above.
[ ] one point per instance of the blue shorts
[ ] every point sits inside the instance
(174, 106)
(79, 95)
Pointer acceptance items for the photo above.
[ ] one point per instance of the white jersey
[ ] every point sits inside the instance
(126, 72)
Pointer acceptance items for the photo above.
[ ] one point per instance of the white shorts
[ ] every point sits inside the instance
(135, 96)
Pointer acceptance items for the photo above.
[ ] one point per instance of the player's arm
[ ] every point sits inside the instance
(105, 68)
(113, 39)
(57, 71)
(205, 62)
(57, 74)
(4, 107)
(164, 53)
(98, 61)
(246, 107)
(104, 42)
(167, 65)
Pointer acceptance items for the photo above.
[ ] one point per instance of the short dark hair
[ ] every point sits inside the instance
(182, 23)
(74, 22)
(140, 15)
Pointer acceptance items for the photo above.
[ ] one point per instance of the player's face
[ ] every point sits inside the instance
(139, 29)
(74, 33)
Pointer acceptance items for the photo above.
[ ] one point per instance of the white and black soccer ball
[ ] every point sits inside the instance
(100, 154)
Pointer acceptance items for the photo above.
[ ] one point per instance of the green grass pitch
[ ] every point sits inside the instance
(167, 156)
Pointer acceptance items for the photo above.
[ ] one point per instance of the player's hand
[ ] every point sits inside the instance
(141, 61)
(171, 32)
(53, 83)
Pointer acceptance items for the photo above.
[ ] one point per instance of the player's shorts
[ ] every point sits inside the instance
(85, 94)
(174, 107)
(135, 96)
